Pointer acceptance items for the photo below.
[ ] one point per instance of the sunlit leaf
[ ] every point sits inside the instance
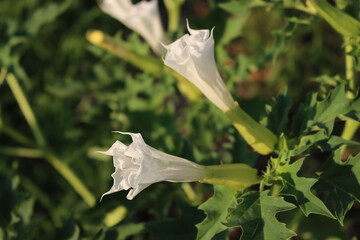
(300, 189)
(256, 215)
(216, 209)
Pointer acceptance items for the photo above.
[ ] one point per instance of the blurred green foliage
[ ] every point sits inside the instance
(79, 94)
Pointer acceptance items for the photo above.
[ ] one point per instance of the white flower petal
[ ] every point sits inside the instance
(143, 17)
(139, 165)
(193, 57)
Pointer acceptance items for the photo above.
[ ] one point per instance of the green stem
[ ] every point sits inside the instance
(58, 165)
(257, 136)
(16, 135)
(147, 64)
(174, 8)
(296, 220)
(262, 185)
(26, 109)
(43, 198)
(276, 188)
(75, 182)
(349, 70)
(351, 126)
(237, 176)
(3, 73)
(64, 170)
(186, 187)
(22, 152)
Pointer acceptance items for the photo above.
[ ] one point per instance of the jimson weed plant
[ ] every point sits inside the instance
(231, 119)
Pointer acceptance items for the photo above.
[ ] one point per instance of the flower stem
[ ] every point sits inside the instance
(25, 108)
(16, 135)
(351, 126)
(174, 8)
(276, 188)
(237, 176)
(257, 136)
(147, 64)
(3, 73)
(22, 152)
(296, 220)
(63, 169)
(75, 182)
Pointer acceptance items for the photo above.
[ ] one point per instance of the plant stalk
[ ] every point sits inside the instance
(174, 8)
(26, 109)
(63, 169)
(147, 64)
(74, 181)
(351, 126)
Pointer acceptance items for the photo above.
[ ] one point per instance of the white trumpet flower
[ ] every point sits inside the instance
(138, 165)
(142, 17)
(193, 57)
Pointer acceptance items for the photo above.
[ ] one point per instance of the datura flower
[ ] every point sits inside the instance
(193, 57)
(138, 165)
(142, 17)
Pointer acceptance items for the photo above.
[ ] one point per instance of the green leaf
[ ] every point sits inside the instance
(334, 142)
(340, 184)
(321, 141)
(282, 36)
(355, 110)
(315, 114)
(233, 25)
(127, 230)
(277, 113)
(45, 14)
(340, 21)
(179, 228)
(300, 189)
(256, 215)
(69, 231)
(216, 209)
(236, 7)
(306, 142)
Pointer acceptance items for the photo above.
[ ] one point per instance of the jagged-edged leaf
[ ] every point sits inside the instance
(216, 209)
(256, 215)
(45, 14)
(334, 142)
(282, 36)
(340, 183)
(277, 113)
(321, 141)
(306, 142)
(321, 114)
(300, 189)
